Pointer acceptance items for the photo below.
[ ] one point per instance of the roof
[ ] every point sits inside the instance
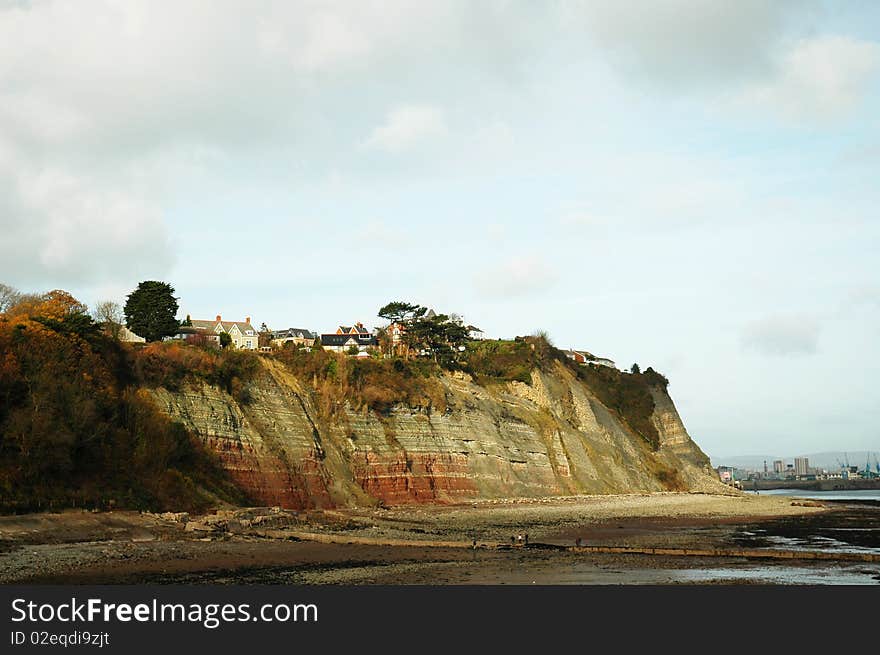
(297, 333)
(343, 339)
(227, 325)
(349, 329)
(587, 355)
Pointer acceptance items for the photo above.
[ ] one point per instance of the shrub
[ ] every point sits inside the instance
(376, 384)
(75, 432)
(628, 394)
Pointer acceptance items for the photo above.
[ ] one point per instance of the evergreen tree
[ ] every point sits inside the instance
(151, 310)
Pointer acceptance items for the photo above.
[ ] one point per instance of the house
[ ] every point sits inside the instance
(356, 329)
(395, 331)
(475, 333)
(583, 357)
(347, 336)
(297, 336)
(122, 333)
(242, 333)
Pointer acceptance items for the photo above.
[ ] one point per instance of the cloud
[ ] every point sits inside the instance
(819, 79)
(865, 296)
(59, 229)
(687, 42)
(515, 277)
(408, 127)
(782, 335)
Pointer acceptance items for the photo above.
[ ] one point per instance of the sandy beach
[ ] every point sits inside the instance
(421, 544)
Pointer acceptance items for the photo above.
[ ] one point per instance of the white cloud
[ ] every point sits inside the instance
(782, 335)
(60, 229)
(685, 42)
(408, 127)
(818, 79)
(865, 296)
(518, 276)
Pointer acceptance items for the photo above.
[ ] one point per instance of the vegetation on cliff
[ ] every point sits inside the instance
(376, 384)
(75, 430)
(628, 394)
(79, 428)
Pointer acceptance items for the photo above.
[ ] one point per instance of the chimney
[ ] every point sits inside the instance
(218, 318)
(247, 319)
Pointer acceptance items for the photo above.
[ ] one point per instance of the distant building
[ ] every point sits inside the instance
(298, 336)
(475, 333)
(128, 336)
(801, 466)
(779, 466)
(347, 336)
(242, 333)
(583, 357)
(725, 474)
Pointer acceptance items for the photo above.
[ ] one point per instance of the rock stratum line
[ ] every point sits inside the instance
(552, 437)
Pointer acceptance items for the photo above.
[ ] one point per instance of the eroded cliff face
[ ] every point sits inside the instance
(549, 438)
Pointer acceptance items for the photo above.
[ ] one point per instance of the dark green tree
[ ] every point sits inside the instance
(401, 312)
(635, 369)
(151, 310)
(439, 334)
(225, 340)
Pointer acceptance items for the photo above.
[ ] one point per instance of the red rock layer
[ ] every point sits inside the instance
(267, 479)
(401, 478)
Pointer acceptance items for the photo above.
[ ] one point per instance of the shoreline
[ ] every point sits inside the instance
(405, 544)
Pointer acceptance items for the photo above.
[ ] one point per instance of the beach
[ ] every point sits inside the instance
(701, 538)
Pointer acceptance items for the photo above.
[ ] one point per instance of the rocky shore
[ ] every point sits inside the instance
(408, 544)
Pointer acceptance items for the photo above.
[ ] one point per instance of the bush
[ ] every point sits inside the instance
(506, 361)
(74, 431)
(376, 384)
(172, 364)
(628, 394)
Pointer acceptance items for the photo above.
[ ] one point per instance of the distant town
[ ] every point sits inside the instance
(799, 470)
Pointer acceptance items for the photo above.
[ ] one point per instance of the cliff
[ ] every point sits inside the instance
(281, 444)
(87, 421)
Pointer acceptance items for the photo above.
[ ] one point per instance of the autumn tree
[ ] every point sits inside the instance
(110, 315)
(9, 296)
(151, 310)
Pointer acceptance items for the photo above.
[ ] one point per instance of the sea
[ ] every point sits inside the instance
(854, 494)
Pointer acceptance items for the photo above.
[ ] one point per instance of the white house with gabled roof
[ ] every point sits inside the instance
(243, 334)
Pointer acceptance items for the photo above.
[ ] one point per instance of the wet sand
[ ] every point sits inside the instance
(125, 547)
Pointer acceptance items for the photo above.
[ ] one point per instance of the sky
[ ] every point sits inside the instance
(686, 184)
